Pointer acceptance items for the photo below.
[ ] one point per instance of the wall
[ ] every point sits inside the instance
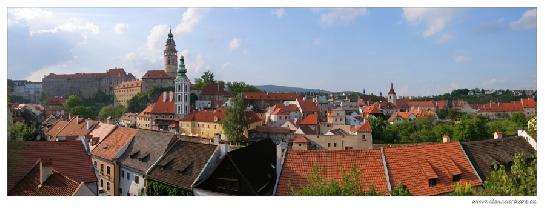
(104, 176)
(129, 184)
(340, 142)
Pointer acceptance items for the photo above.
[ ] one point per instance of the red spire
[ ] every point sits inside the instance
(392, 89)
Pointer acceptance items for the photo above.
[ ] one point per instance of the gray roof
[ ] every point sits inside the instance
(147, 148)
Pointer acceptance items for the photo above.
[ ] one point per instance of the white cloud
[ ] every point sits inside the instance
(462, 59)
(445, 37)
(434, 19)
(157, 36)
(234, 43)
(341, 15)
(528, 20)
(280, 12)
(316, 42)
(121, 28)
(43, 21)
(190, 19)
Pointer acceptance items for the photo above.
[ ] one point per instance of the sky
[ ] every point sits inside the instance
(423, 51)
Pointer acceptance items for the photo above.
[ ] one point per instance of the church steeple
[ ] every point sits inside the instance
(182, 90)
(170, 55)
(181, 68)
(392, 94)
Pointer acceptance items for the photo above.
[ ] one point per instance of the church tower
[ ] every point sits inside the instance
(392, 94)
(182, 90)
(170, 56)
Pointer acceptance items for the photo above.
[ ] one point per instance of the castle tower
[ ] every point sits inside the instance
(170, 56)
(182, 89)
(392, 94)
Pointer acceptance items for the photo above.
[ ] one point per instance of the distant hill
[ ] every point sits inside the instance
(278, 88)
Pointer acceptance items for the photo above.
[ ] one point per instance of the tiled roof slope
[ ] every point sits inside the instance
(164, 104)
(414, 165)
(111, 146)
(156, 74)
(298, 166)
(182, 164)
(77, 127)
(483, 154)
(67, 157)
(214, 89)
(56, 184)
(146, 149)
(310, 119)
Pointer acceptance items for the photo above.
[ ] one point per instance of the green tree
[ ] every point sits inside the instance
(72, 102)
(141, 100)
(83, 111)
(156, 188)
(115, 112)
(470, 128)
(401, 190)
(520, 179)
(17, 134)
(349, 185)
(520, 120)
(508, 127)
(21, 132)
(206, 78)
(239, 87)
(463, 190)
(234, 122)
(379, 126)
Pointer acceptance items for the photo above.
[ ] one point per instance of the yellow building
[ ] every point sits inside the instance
(207, 123)
(125, 91)
(143, 119)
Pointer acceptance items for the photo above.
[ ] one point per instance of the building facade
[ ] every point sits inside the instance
(182, 90)
(125, 91)
(170, 56)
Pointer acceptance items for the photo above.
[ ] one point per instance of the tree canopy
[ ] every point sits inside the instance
(206, 78)
(114, 112)
(234, 122)
(239, 87)
(141, 100)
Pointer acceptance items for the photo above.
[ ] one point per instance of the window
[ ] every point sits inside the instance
(128, 175)
(122, 175)
(95, 164)
(328, 144)
(456, 178)
(101, 168)
(299, 144)
(120, 191)
(432, 182)
(108, 186)
(101, 183)
(334, 144)
(136, 179)
(108, 170)
(363, 136)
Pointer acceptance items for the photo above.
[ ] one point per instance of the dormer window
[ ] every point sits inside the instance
(432, 182)
(456, 177)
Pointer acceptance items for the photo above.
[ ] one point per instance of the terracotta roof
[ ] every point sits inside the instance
(156, 74)
(101, 131)
(56, 184)
(59, 125)
(414, 165)
(67, 157)
(432, 103)
(56, 100)
(77, 127)
(110, 73)
(110, 148)
(364, 127)
(515, 106)
(310, 119)
(483, 154)
(416, 113)
(147, 110)
(214, 89)
(528, 103)
(372, 109)
(129, 84)
(298, 166)
(182, 164)
(164, 104)
(270, 96)
(148, 146)
(307, 106)
(300, 139)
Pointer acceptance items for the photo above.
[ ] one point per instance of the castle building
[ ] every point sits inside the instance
(85, 85)
(125, 91)
(392, 94)
(182, 89)
(170, 56)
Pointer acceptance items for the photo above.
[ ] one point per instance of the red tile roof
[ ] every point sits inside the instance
(364, 127)
(56, 100)
(56, 184)
(298, 166)
(300, 139)
(111, 146)
(439, 103)
(528, 103)
(146, 111)
(156, 74)
(414, 165)
(270, 96)
(372, 109)
(307, 106)
(129, 84)
(67, 157)
(214, 89)
(164, 104)
(77, 127)
(310, 119)
(515, 106)
(57, 128)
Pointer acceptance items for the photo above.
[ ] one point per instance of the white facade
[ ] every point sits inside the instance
(131, 183)
(182, 90)
(203, 104)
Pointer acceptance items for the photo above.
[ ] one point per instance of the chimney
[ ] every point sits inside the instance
(45, 170)
(224, 149)
(217, 138)
(171, 96)
(108, 120)
(446, 138)
(164, 96)
(87, 124)
(498, 135)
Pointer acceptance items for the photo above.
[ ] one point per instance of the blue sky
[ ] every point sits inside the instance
(422, 50)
